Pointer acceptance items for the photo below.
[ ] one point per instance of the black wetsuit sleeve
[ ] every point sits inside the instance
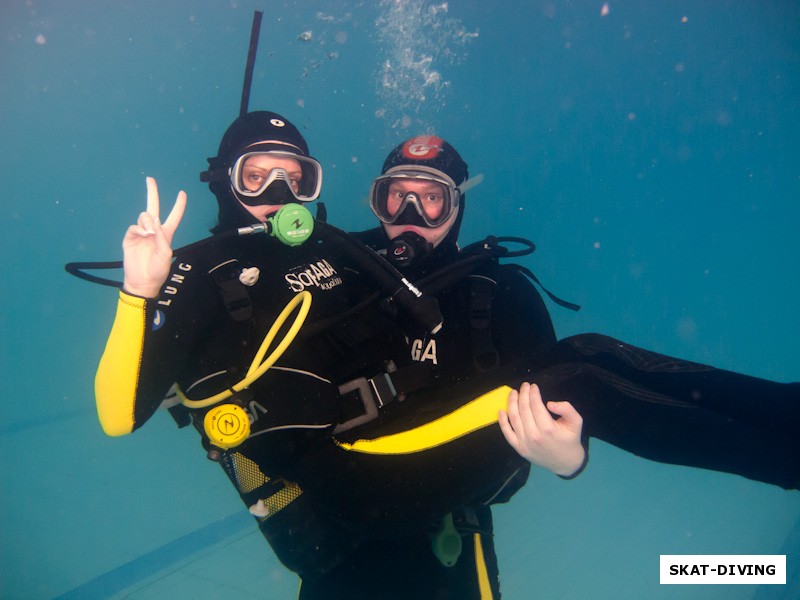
(675, 411)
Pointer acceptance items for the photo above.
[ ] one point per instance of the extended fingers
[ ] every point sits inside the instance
(149, 220)
(175, 215)
(153, 207)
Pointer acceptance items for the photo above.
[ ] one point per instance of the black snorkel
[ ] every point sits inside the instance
(255, 34)
(216, 169)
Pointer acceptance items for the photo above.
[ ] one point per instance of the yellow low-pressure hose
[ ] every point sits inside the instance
(259, 366)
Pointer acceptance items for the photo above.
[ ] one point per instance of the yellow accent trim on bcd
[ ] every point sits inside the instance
(484, 585)
(474, 415)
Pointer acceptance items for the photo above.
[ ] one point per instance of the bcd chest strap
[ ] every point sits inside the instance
(361, 399)
(234, 293)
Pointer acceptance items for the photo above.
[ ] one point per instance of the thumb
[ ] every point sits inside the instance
(567, 412)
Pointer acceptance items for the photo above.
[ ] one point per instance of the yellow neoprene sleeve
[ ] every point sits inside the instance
(118, 373)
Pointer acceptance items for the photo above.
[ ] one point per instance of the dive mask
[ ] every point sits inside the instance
(434, 201)
(252, 178)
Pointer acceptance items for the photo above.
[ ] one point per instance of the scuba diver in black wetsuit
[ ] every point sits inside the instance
(496, 325)
(200, 321)
(420, 199)
(658, 407)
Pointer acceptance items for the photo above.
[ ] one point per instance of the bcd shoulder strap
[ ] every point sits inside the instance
(234, 293)
(481, 295)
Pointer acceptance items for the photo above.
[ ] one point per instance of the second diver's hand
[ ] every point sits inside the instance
(530, 428)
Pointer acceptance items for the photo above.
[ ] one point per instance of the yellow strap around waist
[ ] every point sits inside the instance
(470, 417)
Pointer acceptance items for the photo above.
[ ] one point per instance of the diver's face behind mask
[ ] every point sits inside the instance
(275, 178)
(420, 203)
(414, 196)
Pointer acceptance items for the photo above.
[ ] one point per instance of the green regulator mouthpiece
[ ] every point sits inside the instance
(291, 225)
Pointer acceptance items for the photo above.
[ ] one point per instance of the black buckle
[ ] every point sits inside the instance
(374, 394)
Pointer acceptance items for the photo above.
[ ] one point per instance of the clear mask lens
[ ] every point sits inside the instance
(434, 199)
(253, 173)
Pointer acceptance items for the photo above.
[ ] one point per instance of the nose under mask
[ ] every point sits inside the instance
(277, 192)
(410, 216)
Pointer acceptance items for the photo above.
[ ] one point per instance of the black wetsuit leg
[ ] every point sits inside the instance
(674, 411)
(406, 568)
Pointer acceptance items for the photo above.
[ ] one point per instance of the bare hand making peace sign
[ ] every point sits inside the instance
(147, 245)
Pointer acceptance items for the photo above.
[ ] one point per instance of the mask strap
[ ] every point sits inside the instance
(470, 183)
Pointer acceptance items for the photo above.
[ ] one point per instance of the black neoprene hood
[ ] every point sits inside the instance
(429, 151)
(270, 131)
(261, 126)
(435, 153)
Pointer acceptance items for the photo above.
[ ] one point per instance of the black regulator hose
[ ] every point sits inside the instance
(401, 292)
(77, 269)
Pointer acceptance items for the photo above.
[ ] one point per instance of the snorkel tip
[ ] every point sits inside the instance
(255, 33)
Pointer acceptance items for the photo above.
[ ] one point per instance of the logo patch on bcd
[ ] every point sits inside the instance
(320, 274)
(422, 147)
(158, 320)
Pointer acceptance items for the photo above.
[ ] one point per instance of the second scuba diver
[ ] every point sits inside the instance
(495, 324)
(497, 330)
(659, 407)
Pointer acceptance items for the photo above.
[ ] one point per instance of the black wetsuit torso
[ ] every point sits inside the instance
(321, 506)
(202, 333)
